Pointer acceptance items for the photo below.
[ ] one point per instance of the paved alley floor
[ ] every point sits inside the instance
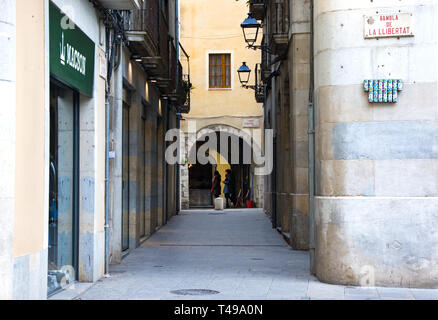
(235, 253)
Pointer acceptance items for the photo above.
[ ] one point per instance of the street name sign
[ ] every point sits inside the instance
(387, 25)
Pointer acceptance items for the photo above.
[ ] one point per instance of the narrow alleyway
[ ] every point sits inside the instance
(235, 253)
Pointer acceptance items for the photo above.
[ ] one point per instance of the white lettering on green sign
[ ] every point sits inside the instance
(72, 53)
(73, 58)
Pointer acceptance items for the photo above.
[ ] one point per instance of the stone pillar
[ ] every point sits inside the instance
(135, 164)
(160, 173)
(170, 173)
(92, 183)
(154, 168)
(87, 190)
(281, 140)
(7, 145)
(285, 180)
(184, 178)
(116, 166)
(149, 209)
(376, 211)
(299, 66)
(185, 201)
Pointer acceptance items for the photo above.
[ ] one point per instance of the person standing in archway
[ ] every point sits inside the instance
(216, 188)
(229, 189)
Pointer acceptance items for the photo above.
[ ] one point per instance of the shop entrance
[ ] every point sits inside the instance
(64, 187)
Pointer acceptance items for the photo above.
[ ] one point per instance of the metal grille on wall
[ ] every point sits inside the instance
(383, 91)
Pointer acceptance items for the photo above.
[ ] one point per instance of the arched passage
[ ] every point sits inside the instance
(228, 148)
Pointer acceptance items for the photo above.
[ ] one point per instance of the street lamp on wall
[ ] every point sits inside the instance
(251, 27)
(244, 73)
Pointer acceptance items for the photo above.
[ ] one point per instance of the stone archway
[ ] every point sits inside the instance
(190, 141)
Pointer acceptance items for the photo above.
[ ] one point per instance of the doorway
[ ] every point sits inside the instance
(63, 187)
(200, 179)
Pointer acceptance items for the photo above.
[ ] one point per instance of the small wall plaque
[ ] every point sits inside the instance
(251, 123)
(383, 91)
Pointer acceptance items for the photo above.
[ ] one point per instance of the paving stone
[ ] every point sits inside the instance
(395, 294)
(353, 292)
(237, 254)
(425, 294)
(320, 291)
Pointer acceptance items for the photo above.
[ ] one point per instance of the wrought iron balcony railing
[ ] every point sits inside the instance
(142, 28)
(279, 25)
(258, 8)
(147, 31)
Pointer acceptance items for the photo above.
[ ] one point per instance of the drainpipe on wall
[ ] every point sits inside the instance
(107, 106)
(274, 184)
(107, 137)
(311, 111)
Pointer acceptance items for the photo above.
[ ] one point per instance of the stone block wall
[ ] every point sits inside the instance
(299, 59)
(288, 105)
(377, 204)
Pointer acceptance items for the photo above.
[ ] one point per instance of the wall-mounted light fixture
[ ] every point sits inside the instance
(251, 27)
(244, 74)
(260, 88)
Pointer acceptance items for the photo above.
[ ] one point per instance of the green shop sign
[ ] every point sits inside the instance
(71, 53)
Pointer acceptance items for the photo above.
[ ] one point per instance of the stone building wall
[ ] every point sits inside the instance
(299, 79)
(286, 112)
(150, 177)
(377, 180)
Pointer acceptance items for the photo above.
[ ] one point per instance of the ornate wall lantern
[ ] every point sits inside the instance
(250, 29)
(244, 74)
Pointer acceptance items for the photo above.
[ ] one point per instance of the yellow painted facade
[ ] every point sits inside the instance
(213, 27)
(210, 27)
(30, 193)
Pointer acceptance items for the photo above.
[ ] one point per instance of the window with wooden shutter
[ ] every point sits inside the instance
(220, 71)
